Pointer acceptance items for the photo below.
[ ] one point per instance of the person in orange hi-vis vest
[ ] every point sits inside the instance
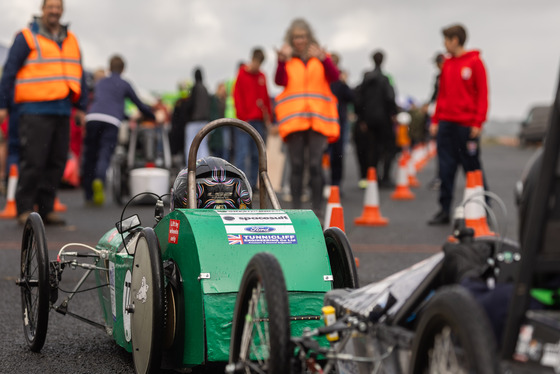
(44, 71)
(306, 110)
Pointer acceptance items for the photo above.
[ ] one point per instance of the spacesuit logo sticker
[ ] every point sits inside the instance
(173, 237)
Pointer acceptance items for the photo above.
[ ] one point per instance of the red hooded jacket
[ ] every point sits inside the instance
(463, 91)
(251, 95)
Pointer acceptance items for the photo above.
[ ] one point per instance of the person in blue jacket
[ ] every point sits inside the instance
(102, 127)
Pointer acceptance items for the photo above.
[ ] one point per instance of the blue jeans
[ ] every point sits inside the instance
(247, 153)
(99, 145)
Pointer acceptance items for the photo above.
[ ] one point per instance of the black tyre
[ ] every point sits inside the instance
(454, 336)
(147, 304)
(260, 334)
(34, 282)
(343, 264)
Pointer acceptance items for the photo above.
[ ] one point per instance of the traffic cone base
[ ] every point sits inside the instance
(480, 227)
(58, 206)
(371, 216)
(10, 210)
(402, 193)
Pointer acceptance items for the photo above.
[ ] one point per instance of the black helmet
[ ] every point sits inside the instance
(219, 185)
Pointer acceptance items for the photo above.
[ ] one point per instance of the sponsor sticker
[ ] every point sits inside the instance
(173, 237)
(260, 229)
(250, 218)
(262, 239)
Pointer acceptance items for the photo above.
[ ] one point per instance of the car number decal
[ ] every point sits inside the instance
(125, 303)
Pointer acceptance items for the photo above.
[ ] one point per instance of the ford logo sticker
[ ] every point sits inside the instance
(260, 229)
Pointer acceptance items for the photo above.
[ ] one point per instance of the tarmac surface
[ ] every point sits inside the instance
(75, 347)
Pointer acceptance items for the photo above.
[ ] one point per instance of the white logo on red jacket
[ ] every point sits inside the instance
(466, 73)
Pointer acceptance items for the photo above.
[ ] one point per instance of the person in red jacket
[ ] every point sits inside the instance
(461, 107)
(252, 105)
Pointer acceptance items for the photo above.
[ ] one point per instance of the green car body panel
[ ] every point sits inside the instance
(211, 249)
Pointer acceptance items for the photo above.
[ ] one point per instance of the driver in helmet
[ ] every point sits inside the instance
(219, 185)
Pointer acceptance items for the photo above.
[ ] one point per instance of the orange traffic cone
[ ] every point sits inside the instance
(422, 157)
(334, 201)
(402, 192)
(10, 210)
(337, 218)
(474, 202)
(58, 206)
(72, 171)
(371, 215)
(411, 169)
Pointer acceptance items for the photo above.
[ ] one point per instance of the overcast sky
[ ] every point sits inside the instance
(163, 40)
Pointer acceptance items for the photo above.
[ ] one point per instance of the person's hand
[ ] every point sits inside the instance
(317, 52)
(433, 129)
(475, 132)
(273, 130)
(80, 117)
(3, 115)
(284, 53)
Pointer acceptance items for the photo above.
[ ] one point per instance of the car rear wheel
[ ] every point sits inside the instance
(261, 326)
(34, 282)
(146, 304)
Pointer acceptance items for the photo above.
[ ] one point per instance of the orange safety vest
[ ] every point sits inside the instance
(49, 72)
(307, 102)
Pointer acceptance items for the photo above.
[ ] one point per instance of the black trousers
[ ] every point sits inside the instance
(43, 151)
(311, 144)
(455, 147)
(376, 144)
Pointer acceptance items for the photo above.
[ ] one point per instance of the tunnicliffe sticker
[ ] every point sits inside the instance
(262, 239)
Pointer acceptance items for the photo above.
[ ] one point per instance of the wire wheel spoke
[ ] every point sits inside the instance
(34, 282)
(255, 339)
(445, 356)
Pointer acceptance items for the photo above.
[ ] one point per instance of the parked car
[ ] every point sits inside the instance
(535, 126)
